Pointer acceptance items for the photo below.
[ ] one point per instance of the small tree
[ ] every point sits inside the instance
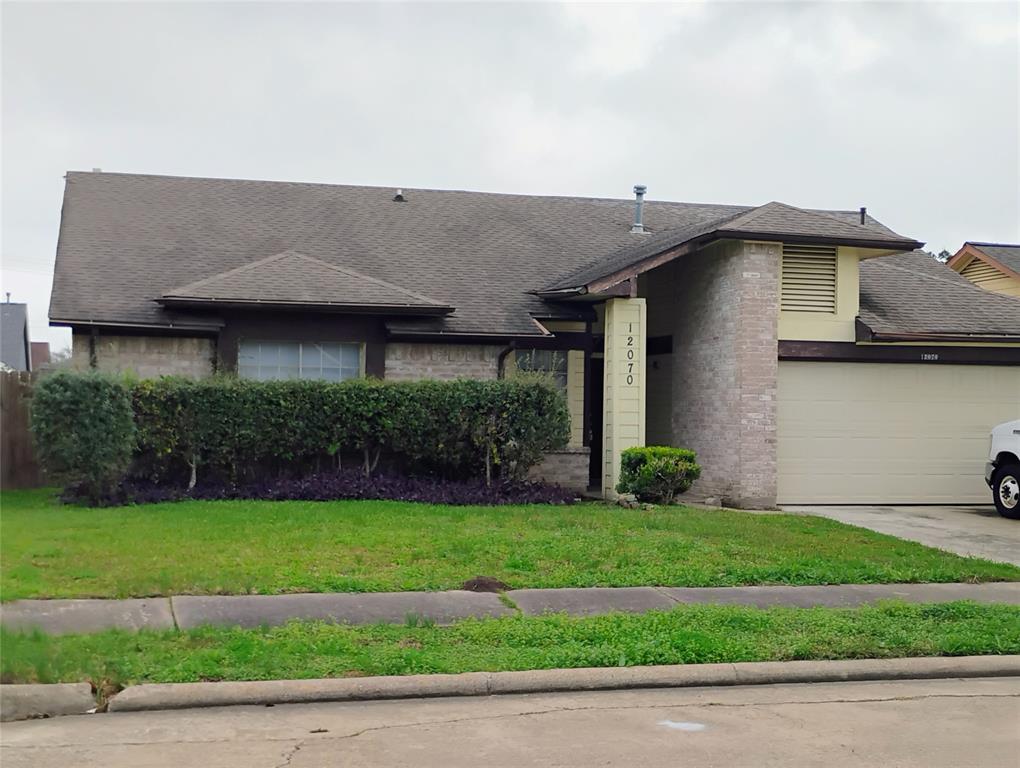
(84, 431)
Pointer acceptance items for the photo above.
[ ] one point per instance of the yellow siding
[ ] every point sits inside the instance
(575, 396)
(829, 326)
(624, 385)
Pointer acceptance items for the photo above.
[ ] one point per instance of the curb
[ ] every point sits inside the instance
(24, 702)
(193, 695)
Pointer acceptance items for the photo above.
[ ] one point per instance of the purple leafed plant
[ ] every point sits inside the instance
(352, 484)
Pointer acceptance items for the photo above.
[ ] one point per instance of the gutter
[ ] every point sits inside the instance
(69, 323)
(864, 242)
(360, 309)
(865, 334)
(945, 337)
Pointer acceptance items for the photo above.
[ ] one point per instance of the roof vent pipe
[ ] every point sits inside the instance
(639, 192)
(864, 213)
(399, 197)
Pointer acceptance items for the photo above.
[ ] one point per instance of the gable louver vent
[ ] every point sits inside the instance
(980, 272)
(809, 278)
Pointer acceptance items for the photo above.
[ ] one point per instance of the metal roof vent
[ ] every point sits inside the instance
(639, 191)
(399, 197)
(864, 214)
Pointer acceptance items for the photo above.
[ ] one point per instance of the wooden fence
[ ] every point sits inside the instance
(18, 465)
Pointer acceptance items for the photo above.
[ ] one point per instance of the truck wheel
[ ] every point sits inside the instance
(1006, 491)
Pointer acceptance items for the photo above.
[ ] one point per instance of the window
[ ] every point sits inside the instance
(549, 361)
(809, 278)
(273, 360)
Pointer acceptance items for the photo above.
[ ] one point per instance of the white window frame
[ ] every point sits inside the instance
(267, 365)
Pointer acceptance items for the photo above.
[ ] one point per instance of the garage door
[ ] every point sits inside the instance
(871, 433)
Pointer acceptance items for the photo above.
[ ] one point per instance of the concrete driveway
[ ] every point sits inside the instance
(974, 530)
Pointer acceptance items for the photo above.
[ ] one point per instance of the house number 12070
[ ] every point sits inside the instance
(630, 354)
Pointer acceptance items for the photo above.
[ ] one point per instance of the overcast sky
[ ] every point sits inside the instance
(909, 109)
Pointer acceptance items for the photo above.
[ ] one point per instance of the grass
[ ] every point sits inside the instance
(241, 547)
(685, 635)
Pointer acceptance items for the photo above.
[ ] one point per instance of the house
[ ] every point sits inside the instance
(992, 266)
(807, 356)
(15, 352)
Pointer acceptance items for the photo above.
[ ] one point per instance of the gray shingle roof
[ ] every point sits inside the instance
(126, 240)
(771, 219)
(1005, 254)
(14, 344)
(913, 293)
(293, 278)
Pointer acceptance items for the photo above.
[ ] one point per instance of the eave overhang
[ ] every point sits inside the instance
(959, 261)
(864, 333)
(186, 302)
(174, 325)
(606, 282)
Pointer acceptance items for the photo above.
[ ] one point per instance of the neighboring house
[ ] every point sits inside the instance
(807, 356)
(15, 351)
(992, 266)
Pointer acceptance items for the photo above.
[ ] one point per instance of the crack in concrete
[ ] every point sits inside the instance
(173, 613)
(288, 755)
(531, 713)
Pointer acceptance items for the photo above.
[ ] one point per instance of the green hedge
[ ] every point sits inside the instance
(657, 472)
(236, 429)
(84, 431)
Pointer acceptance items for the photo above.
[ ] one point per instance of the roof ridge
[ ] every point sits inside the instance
(661, 237)
(390, 188)
(362, 276)
(969, 287)
(290, 252)
(823, 214)
(757, 211)
(233, 271)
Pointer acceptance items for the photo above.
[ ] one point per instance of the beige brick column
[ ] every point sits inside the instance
(624, 385)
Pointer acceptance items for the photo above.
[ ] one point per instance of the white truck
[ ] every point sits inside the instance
(1002, 472)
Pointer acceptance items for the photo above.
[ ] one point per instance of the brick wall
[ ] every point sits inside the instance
(146, 356)
(410, 361)
(725, 364)
(567, 468)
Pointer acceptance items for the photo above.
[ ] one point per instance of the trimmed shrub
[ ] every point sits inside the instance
(657, 472)
(84, 431)
(233, 431)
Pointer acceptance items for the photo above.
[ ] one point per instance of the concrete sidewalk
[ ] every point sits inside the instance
(188, 611)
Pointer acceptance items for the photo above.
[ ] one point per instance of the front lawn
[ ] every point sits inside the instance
(237, 547)
(691, 634)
